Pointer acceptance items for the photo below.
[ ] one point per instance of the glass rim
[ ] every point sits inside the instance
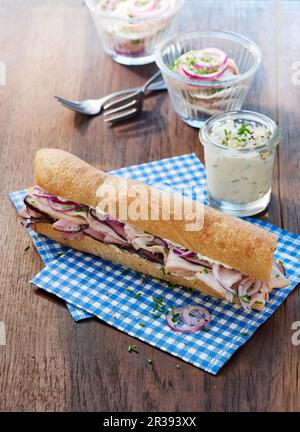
(216, 84)
(249, 115)
(135, 20)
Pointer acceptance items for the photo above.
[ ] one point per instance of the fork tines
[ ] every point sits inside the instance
(123, 115)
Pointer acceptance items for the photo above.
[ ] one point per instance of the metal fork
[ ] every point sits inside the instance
(95, 106)
(129, 106)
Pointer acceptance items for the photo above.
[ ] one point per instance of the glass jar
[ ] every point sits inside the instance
(195, 100)
(239, 180)
(132, 40)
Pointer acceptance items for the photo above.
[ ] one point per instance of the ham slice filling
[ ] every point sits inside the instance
(74, 221)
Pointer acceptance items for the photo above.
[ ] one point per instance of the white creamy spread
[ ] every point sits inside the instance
(239, 176)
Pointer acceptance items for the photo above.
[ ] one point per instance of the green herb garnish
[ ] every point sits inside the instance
(244, 334)
(159, 306)
(244, 130)
(175, 317)
(138, 295)
(132, 349)
(129, 290)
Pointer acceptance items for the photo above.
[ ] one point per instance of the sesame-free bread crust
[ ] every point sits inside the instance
(223, 238)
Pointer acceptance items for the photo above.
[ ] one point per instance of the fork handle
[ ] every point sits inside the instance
(156, 86)
(148, 83)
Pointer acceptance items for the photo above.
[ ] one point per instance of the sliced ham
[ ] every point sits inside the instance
(154, 257)
(226, 277)
(117, 226)
(177, 265)
(109, 235)
(41, 204)
(142, 242)
(278, 280)
(28, 213)
(131, 233)
(94, 234)
(62, 225)
(209, 279)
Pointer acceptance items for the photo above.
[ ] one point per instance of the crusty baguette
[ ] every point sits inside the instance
(229, 240)
(127, 259)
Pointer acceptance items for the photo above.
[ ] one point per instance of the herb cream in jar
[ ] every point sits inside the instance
(239, 150)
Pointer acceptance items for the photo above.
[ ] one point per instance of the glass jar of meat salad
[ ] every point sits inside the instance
(207, 72)
(239, 150)
(130, 29)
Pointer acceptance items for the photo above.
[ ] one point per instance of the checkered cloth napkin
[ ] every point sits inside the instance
(126, 300)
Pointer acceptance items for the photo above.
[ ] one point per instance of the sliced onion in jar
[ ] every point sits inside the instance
(205, 77)
(137, 7)
(219, 57)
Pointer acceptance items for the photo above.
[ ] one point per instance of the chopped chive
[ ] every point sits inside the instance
(138, 295)
(129, 290)
(60, 254)
(141, 324)
(244, 334)
(132, 349)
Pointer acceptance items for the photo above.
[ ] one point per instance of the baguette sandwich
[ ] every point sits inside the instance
(226, 258)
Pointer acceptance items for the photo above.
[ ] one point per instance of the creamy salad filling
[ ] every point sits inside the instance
(75, 221)
(235, 176)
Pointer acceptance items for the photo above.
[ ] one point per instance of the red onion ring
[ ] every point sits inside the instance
(191, 257)
(207, 77)
(185, 328)
(60, 210)
(256, 287)
(214, 53)
(216, 273)
(136, 10)
(244, 285)
(190, 320)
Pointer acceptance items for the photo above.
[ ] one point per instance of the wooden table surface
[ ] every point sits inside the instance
(50, 362)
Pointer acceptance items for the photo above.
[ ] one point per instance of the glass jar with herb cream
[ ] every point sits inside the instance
(239, 151)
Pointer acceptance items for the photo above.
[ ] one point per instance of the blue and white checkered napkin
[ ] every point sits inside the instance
(123, 299)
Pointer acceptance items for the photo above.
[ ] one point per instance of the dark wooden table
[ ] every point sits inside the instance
(50, 362)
